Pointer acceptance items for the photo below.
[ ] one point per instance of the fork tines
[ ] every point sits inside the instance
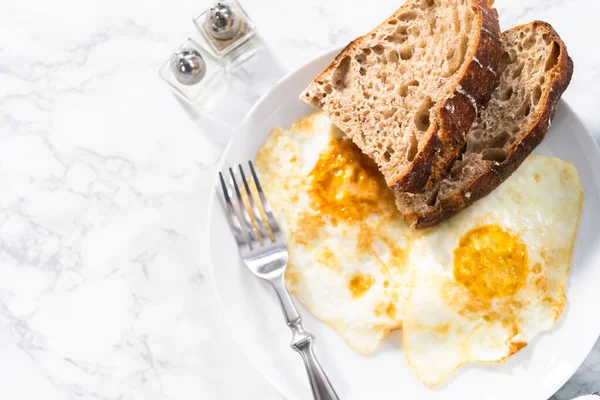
(257, 227)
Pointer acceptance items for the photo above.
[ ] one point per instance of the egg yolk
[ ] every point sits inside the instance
(490, 262)
(346, 184)
(359, 284)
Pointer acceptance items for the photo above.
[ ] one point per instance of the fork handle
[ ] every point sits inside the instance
(287, 305)
(302, 342)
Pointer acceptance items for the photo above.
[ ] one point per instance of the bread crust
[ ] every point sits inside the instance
(487, 181)
(473, 91)
(445, 139)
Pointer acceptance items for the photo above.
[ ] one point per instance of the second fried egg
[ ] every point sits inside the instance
(491, 278)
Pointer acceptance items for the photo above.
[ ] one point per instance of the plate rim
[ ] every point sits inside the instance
(330, 53)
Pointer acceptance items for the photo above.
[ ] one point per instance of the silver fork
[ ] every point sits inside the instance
(267, 257)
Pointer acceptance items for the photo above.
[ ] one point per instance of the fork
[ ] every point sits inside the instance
(265, 253)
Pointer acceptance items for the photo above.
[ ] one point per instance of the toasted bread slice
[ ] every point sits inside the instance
(407, 92)
(535, 71)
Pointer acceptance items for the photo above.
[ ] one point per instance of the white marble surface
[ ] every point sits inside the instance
(104, 183)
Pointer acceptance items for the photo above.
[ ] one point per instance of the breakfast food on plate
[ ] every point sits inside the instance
(477, 287)
(534, 72)
(492, 278)
(412, 95)
(407, 92)
(346, 239)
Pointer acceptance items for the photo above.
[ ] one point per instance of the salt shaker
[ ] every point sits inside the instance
(194, 74)
(228, 33)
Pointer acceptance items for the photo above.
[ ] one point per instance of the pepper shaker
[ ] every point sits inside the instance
(194, 74)
(228, 33)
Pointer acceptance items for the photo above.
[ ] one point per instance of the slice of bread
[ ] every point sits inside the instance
(407, 92)
(535, 71)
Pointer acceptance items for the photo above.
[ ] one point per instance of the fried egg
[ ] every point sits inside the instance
(346, 239)
(490, 279)
(476, 288)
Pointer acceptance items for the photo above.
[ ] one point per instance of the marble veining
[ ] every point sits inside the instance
(104, 182)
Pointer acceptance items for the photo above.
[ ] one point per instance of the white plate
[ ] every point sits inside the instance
(536, 372)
